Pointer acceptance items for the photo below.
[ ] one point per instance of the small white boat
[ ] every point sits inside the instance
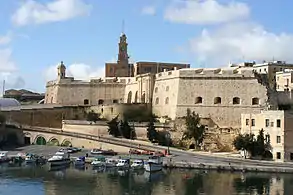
(4, 156)
(110, 162)
(123, 164)
(80, 161)
(59, 159)
(154, 163)
(30, 158)
(99, 161)
(137, 164)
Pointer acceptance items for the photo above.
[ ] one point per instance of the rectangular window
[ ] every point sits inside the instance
(272, 124)
(278, 139)
(278, 123)
(247, 122)
(253, 122)
(291, 156)
(278, 155)
(267, 122)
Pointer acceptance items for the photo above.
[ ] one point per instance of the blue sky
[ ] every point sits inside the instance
(36, 35)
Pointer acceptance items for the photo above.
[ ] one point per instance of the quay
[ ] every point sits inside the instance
(244, 167)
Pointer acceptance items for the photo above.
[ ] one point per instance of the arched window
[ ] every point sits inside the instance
(100, 101)
(217, 100)
(157, 100)
(236, 100)
(129, 97)
(167, 88)
(86, 102)
(167, 100)
(255, 101)
(156, 89)
(198, 100)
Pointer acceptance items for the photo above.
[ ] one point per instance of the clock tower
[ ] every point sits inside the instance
(123, 55)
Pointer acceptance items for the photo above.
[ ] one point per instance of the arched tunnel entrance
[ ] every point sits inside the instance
(53, 142)
(41, 141)
(27, 139)
(66, 143)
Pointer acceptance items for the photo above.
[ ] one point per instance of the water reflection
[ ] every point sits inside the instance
(111, 181)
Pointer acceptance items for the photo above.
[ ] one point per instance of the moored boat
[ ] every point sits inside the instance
(59, 159)
(110, 162)
(154, 163)
(137, 164)
(30, 158)
(80, 161)
(4, 156)
(123, 164)
(99, 161)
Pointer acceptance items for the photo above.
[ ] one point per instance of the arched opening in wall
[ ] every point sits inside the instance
(167, 100)
(129, 97)
(236, 100)
(217, 100)
(112, 110)
(51, 99)
(115, 101)
(143, 98)
(135, 97)
(53, 142)
(167, 88)
(255, 101)
(100, 102)
(156, 89)
(192, 146)
(86, 102)
(157, 100)
(27, 139)
(198, 100)
(41, 140)
(66, 143)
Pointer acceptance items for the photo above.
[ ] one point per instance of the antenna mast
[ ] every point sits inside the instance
(123, 25)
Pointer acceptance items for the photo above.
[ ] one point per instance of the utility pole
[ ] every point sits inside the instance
(3, 88)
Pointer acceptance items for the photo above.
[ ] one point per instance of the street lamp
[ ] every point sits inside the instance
(168, 137)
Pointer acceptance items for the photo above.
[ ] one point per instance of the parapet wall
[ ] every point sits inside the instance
(207, 72)
(45, 117)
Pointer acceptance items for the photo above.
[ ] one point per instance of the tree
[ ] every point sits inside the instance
(113, 128)
(127, 131)
(151, 131)
(92, 116)
(193, 128)
(256, 147)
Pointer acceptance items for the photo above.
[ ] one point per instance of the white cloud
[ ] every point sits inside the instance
(205, 12)
(6, 39)
(33, 12)
(6, 63)
(149, 10)
(240, 41)
(79, 71)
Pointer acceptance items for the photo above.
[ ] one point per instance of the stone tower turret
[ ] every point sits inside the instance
(61, 69)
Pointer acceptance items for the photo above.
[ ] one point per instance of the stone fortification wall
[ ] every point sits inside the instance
(111, 111)
(94, 92)
(100, 128)
(219, 94)
(44, 117)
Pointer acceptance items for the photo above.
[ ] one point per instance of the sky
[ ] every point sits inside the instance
(36, 35)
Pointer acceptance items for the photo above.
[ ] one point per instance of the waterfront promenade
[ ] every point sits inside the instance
(181, 158)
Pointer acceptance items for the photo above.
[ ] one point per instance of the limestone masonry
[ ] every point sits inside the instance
(220, 94)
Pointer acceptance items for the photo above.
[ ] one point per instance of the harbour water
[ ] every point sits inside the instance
(41, 180)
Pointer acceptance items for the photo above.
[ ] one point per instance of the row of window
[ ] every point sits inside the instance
(158, 101)
(267, 123)
(235, 100)
(100, 102)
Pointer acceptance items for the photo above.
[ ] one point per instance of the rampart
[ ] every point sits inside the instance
(44, 117)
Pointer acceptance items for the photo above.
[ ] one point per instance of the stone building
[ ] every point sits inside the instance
(220, 94)
(278, 125)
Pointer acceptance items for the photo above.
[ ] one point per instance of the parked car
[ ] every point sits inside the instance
(158, 153)
(147, 152)
(133, 151)
(109, 152)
